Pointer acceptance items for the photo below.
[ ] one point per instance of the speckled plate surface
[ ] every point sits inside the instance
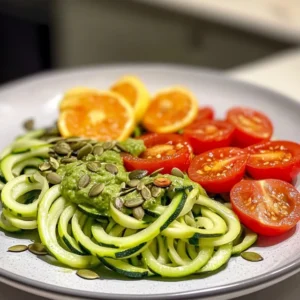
(38, 97)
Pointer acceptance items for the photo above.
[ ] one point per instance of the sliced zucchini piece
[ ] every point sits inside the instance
(178, 271)
(249, 239)
(9, 162)
(147, 234)
(124, 268)
(125, 220)
(220, 258)
(18, 187)
(230, 218)
(50, 209)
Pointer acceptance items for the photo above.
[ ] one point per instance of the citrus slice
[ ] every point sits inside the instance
(100, 115)
(71, 97)
(135, 92)
(170, 110)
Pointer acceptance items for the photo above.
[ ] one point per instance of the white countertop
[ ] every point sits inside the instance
(279, 19)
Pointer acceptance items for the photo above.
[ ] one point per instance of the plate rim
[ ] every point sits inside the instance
(258, 281)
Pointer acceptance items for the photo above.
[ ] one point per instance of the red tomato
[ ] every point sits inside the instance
(207, 135)
(204, 113)
(252, 127)
(163, 151)
(218, 170)
(268, 207)
(275, 159)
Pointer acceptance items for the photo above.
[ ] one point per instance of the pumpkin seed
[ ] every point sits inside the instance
(122, 186)
(28, 124)
(44, 166)
(38, 249)
(111, 169)
(53, 178)
(84, 181)
(108, 145)
(146, 194)
(116, 149)
(155, 191)
(156, 172)
(138, 213)
(134, 202)
(78, 145)
(62, 148)
(93, 166)
(96, 189)
(140, 186)
(162, 182)
(87, 274)
(17, 248)
(121, 147)
(98, 150)
(133, 182)
(137, 174)
(127, 191)
(177, 172)
(251, 256)
(84, 151)
(54, 140)
(119, 203)
(68, 160)
(54, 163)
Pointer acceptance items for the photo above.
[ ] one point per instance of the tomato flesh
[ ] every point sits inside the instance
(204, 113)
(207, 135)
(268, 207)
(251, 126)
(274, 159)
(218, 170)
(163, 151)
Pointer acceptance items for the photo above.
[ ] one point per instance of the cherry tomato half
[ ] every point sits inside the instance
(268, 207)
(204, 113)
(207, 135)
(163, 151)
(274, 159)
(252, 127)
(218, 170)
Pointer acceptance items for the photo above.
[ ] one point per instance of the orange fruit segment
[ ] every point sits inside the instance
(135, 92)
(171, 110)
(100, 115)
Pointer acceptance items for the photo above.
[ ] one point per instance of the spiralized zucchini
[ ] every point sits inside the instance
(191, 235)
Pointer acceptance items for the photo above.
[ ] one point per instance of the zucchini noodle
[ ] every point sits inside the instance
(192, 234)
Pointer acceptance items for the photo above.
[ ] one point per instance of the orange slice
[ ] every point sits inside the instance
(135, 92)
(171, 110)
(100, 115)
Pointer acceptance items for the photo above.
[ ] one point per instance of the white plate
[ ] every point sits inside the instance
(38, 97)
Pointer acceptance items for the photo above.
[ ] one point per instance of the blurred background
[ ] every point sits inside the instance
(38, 35)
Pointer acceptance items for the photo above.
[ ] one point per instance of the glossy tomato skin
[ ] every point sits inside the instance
(170, 150)
(204, 113)
(218, 170)
(208, 135)
(251, 126)
(257, 208)
(274, 159)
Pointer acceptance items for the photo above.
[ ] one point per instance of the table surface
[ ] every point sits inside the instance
(281, 73)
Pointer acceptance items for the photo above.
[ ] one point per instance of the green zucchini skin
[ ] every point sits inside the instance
(124, 268)
(249, 239)
(147, 234)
